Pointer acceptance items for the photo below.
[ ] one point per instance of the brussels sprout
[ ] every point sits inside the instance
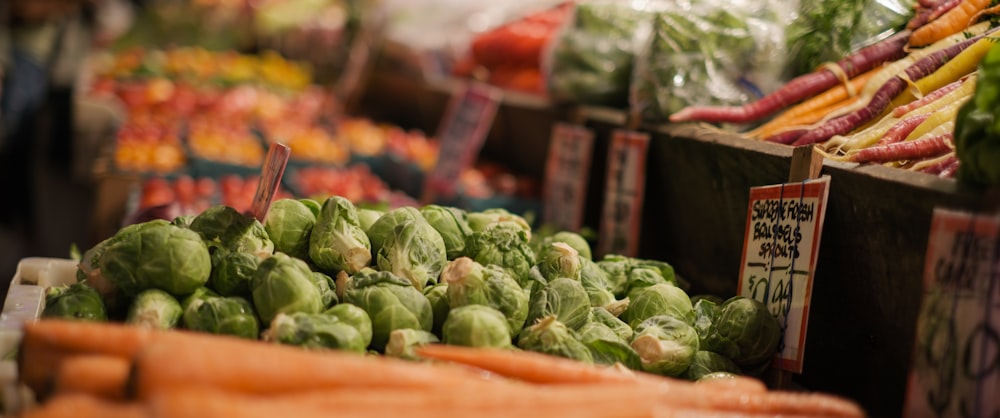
(659, 299)
(666, 345)
(603, 316)
(563, 298)
(284, 284)
(470, 283)
(505, 245)
(641, 277)
(315, 331)
(157, 255)
(327, 289)
(558, 259)
(154, 308)
(355, 317)
(391, 302)
(577, 241)
(450, 223)
(199, 295)
(597, 284)
(480, 221)
(606, 346)
(89, 270)
(76, 301)
(337, 241)
(312, 205)
(476, 326)
(665, 269)
(707, 362)
(438, 297)
(744, 331)
(415, 251)
(228, 228)
(367, 218)
(705, 312)
(550, 336)
(183, 221)
(383, 226)
(232, 272)
(289, 223)
(402, 343)
(617, 267)
(229, 315)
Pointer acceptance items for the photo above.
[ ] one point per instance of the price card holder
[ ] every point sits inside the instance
(956, 357)
(623, 193)
(463, 130)
(566, 174)
(780, 248)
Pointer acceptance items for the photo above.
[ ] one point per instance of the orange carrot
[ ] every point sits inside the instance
(96, 375)
(831, 96)
(952, 22)
(85, 406)
(781, 123)
(253, 367)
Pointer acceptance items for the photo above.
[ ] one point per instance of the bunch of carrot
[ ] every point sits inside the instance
(893, 103)
(109, 370)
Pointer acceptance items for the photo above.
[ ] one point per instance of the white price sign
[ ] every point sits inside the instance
(566, 174)
(623, 193)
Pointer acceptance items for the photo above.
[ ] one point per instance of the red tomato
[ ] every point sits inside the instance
(185, 189)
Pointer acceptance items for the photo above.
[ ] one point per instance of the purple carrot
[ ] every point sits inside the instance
(902, 151)
(928, 3)
(880, 100)
(801, 87)
(939, 166)
(786, 137)
(928, 12)
(950, 170)
(901, 129)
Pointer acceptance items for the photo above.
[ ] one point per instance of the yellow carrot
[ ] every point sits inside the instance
(961, 65)
(942, 119)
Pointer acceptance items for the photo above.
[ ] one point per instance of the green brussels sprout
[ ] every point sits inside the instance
(476, 326)
(403, 342)
(284, 284)
(157, 255)
(311, 204)
(577, 241)
(354, 316)
(89, 270)
(450, 223)
(327, 289)
(617, 267)
(558, 259)
(391, 302)
(744, 331)
(367, 218)
(606, 346)
(563, 298)
(642, 277)
(384, 225)
(707, 362)
(505, 245)
(199, 295)
(597, 284)
(289, 223)
(705, 312)
(337, 241)
(156, 309)
(601, 315)
(76, 301)
(315, 331)
(183, 221)
(665, 269)
(480, 221)
(550, 336)
(470, 283)
(659, 299)
(438, 297)
(226, 227)
(415, 251)
(232, 272)
(666, 345)
(224, 315)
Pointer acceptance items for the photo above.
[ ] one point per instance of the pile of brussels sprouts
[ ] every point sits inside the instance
(333, 276)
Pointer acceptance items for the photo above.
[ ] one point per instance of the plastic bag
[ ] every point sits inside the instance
(591, 61)
(709, 53)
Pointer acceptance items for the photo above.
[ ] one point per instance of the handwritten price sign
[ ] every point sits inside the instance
(784, 224)
(623, 193)
(566, 173)
(463, 131)
(956, 359)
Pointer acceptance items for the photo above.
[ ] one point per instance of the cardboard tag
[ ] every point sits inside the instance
(462, 133)
(956, 357)
(623, 193)
(566, 174)
(784, 225)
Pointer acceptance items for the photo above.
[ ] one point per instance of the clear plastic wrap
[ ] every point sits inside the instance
(710, 53)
